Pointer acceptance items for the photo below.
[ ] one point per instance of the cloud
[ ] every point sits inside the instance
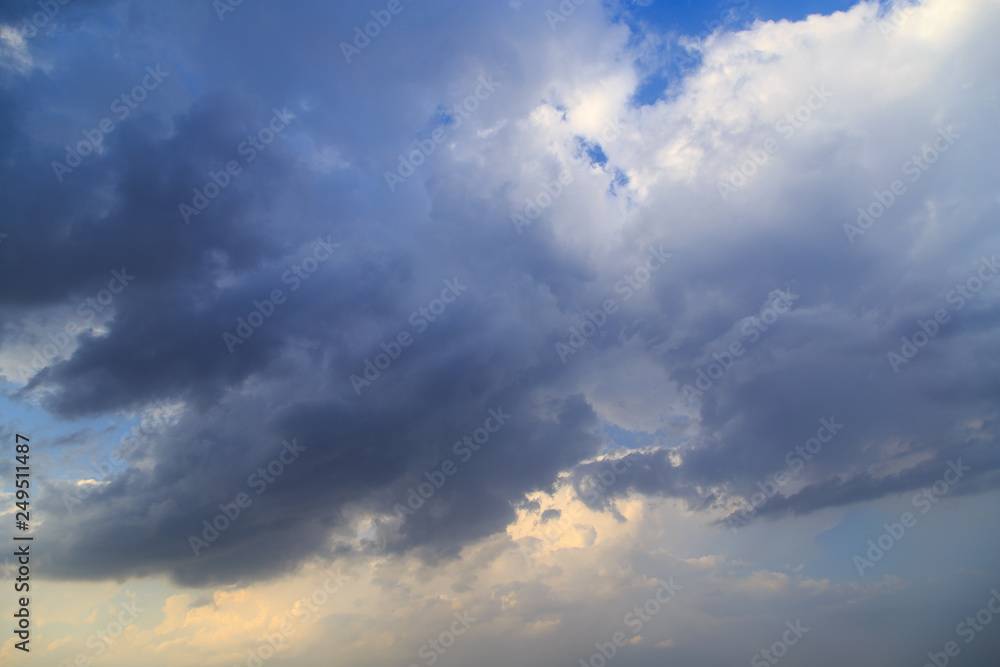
(654, 183)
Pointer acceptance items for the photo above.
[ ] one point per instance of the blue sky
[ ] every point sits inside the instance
(690, 17)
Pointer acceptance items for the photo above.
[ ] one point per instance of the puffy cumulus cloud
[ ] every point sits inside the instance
(783, 226)
(691, 271)
(753, 172)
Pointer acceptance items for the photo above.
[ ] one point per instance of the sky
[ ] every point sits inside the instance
(621, 333)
